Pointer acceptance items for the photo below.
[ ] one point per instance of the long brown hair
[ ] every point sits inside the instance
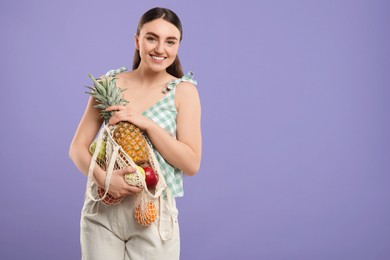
(175, 68)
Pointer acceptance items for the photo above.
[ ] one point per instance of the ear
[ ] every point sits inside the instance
(136, 41)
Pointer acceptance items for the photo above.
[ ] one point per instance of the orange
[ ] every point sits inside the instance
(146, 217)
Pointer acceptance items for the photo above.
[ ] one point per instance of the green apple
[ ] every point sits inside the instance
(141, 170)
(102, 152)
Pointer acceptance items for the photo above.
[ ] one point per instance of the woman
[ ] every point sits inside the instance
(155, 88)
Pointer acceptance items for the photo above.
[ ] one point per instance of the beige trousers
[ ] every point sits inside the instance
(111, 232)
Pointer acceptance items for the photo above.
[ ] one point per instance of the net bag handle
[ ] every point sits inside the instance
(172, 220)
(162, 184)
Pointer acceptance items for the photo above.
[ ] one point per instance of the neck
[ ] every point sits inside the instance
(151, 78)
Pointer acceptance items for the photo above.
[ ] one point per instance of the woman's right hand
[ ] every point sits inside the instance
(118, 187)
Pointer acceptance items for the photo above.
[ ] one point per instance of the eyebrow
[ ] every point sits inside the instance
(169, 38)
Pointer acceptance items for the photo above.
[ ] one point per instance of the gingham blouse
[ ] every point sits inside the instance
(164, 113)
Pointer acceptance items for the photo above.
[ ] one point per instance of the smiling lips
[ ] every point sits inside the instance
(158, 58)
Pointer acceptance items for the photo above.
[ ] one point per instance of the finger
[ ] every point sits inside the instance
(118, 116)
(113, 120)
(115, 194)
(134, 189)
(127, 169)
(114, 108)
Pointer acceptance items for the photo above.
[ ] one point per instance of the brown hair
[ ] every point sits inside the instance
(175, 68)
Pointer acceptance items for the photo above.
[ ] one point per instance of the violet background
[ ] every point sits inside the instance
(295, 99)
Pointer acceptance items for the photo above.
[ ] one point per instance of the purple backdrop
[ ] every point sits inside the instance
(295, 98)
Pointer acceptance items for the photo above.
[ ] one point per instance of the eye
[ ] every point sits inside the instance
(171, 42)
(150, 39)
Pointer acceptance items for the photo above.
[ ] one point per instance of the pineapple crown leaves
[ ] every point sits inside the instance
(106, 93)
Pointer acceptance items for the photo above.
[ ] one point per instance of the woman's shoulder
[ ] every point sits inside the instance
(186, 87)
(186, 90)
(187, 83)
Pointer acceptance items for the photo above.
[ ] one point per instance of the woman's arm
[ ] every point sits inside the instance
(86, 132)
(183, 152)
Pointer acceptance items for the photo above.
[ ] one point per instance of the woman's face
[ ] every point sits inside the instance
(158, 44)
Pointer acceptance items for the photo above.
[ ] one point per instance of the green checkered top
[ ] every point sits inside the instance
(164, 113)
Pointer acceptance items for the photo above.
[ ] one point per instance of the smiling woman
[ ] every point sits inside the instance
(173, 26)
(164, 105)
(157, 44)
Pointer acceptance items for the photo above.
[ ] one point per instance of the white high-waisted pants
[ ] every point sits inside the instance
(112, 233)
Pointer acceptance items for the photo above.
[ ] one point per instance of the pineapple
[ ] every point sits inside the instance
(127, 135)
(132, 141)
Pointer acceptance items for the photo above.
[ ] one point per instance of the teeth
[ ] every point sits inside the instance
(158, 58)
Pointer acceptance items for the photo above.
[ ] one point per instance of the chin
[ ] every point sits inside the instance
(158, 68)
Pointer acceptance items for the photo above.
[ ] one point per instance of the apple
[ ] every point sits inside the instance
(102, 151)
(151, 178)
(141, 170)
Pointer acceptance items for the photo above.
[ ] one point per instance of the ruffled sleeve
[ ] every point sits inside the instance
(112, 73)
(189, 77)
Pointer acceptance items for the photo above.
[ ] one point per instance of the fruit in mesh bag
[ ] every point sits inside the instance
(134, 179)
(127, 135)
(108, 199)
(146, 216)
(102, 151)
(148, 174)
(132, 141)
(151, 177)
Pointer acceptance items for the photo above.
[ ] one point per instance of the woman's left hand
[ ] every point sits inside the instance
(129, 114)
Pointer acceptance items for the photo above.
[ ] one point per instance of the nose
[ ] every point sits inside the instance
(159, 48)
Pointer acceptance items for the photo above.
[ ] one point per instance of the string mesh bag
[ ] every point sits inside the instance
(125, 145)
(147, 201)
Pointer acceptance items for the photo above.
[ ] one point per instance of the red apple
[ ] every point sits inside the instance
(151, 178)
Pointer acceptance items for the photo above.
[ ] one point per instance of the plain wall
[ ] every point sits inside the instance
(295, 119)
